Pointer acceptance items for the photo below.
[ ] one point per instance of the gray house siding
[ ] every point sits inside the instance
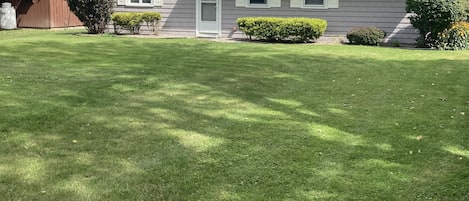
(388, 15)
(179, 17)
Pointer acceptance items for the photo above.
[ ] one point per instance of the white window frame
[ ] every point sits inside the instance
(268, 4)
(153, 3)
(328, 4)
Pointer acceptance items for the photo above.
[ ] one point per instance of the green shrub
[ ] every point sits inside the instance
(395, 43)
(465, 8)
(454, 38)
(95, 14)
(152, 19)
(275, 29)
(431, 17)
(130, 21)
(365, 36)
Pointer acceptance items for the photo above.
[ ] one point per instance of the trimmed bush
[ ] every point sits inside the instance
(152, 19)
(431, 17)
(130, 21)
(454, 38)
(95, 14)
(366, 36)
(276, 29)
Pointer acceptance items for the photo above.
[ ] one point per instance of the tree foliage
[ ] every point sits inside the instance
(465, 7)
(431, 17)
(95, 14)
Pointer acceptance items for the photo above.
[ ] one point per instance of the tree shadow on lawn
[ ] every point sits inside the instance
(227, 123)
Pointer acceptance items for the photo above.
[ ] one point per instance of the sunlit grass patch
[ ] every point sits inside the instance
(195, 141)
(458, 151)
(335, 135)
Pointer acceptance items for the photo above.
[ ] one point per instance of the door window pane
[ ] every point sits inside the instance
(209, 12)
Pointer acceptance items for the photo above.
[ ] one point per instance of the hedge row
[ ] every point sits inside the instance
(275, 28)
(132, 21)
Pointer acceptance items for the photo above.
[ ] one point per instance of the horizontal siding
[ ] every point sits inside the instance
(387, 15)
(179, 17)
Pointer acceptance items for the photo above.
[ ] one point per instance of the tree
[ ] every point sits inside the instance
(95, 14)
(431, 17)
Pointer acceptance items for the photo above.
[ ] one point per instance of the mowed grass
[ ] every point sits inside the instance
(112, 118)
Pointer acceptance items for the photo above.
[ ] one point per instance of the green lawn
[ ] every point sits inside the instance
(113, 118)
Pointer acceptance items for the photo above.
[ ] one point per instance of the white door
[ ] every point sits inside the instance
(208, 18)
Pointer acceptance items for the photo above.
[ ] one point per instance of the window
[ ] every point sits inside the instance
(314, 2)
(209, 11)
(141, 3)
(257, 1)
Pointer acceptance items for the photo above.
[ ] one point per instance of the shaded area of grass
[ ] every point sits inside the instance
(106, 118)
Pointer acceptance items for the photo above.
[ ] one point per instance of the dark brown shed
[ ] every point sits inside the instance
(44, 13)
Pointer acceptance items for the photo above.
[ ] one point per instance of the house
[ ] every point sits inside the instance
(217, 18)
(44, 13)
